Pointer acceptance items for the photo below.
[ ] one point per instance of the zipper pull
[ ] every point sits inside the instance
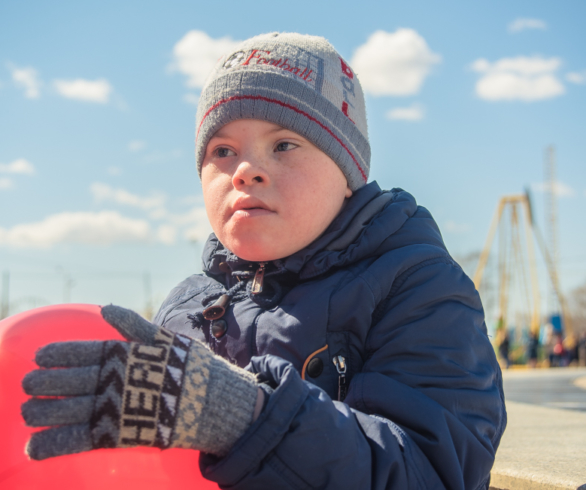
(340, 363)
(258, 279)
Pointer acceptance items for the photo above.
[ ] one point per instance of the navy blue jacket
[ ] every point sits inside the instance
(422, 407)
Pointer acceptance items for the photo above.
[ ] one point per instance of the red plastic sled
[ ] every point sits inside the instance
(104, 469)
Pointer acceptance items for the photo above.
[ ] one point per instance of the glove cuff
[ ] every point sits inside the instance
(229, 407)
(217, 403)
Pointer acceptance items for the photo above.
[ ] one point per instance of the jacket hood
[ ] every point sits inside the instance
(365, 226)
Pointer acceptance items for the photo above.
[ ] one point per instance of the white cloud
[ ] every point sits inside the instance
(415, 112)
(576, 77)
(191, 98)
(26, 78)
(103, 192)
(560, 189)
(523, 24)
(103, 228)
(456, 228)
(521, 65)
(87, 90)
(136, 145)
(194, 223)
(166, 234)
(393, 63)
(520, 78)
(5, 183)
(195, 215)
(18, 166)
(199, 227)
(196, 53)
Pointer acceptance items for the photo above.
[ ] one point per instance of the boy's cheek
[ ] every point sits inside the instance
(214, 196)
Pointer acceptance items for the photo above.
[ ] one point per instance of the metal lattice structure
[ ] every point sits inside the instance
(513, 220)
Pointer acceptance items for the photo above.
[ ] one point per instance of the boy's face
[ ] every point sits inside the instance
(268, 191)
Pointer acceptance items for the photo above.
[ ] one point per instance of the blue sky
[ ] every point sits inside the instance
(97, 106)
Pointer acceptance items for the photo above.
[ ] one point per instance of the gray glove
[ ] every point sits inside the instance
(162, 390)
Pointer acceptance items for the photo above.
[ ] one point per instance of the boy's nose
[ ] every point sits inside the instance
(249, 173)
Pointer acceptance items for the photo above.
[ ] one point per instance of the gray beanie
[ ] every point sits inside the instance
(298, 82)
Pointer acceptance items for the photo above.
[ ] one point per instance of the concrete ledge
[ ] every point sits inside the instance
(542, 449)
(581, 382)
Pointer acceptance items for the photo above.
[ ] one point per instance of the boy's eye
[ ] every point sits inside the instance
(285, 146)
(224, 152)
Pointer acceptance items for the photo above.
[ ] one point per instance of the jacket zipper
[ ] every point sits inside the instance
(256, 287)
(340, 363)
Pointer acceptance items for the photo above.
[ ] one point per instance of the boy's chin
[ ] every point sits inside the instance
(256, 253)
(256, 256)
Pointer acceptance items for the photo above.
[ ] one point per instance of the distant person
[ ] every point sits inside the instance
(549, 344)
(331, 340)
(532, 349)
(572, 351)
(558, 351)
(582, 349)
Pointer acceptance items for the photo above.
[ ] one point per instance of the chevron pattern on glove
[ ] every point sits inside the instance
(104, 421)
(172, 389)
(138, 391)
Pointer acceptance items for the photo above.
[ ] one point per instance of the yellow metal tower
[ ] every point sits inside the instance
(513, 220)
(513, 262)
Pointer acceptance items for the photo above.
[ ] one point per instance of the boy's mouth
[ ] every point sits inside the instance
(248, 206)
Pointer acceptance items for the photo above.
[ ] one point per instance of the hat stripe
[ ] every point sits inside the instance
(288, 106)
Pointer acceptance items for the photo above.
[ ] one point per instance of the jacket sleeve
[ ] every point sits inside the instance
(426, 410)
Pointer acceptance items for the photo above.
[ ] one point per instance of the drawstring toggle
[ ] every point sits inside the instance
(217, 309)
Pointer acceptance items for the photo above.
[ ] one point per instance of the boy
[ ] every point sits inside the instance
(371, 363)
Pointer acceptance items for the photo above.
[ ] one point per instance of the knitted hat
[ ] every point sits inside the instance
(298, 82)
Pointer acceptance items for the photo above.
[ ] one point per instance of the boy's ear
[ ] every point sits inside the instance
(348, 192)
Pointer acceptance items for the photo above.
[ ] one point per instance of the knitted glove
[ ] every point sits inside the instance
(162, 390)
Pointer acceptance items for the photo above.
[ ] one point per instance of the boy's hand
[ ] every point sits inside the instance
(161, 389)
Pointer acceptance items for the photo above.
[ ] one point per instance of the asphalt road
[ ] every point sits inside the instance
(563, 388)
